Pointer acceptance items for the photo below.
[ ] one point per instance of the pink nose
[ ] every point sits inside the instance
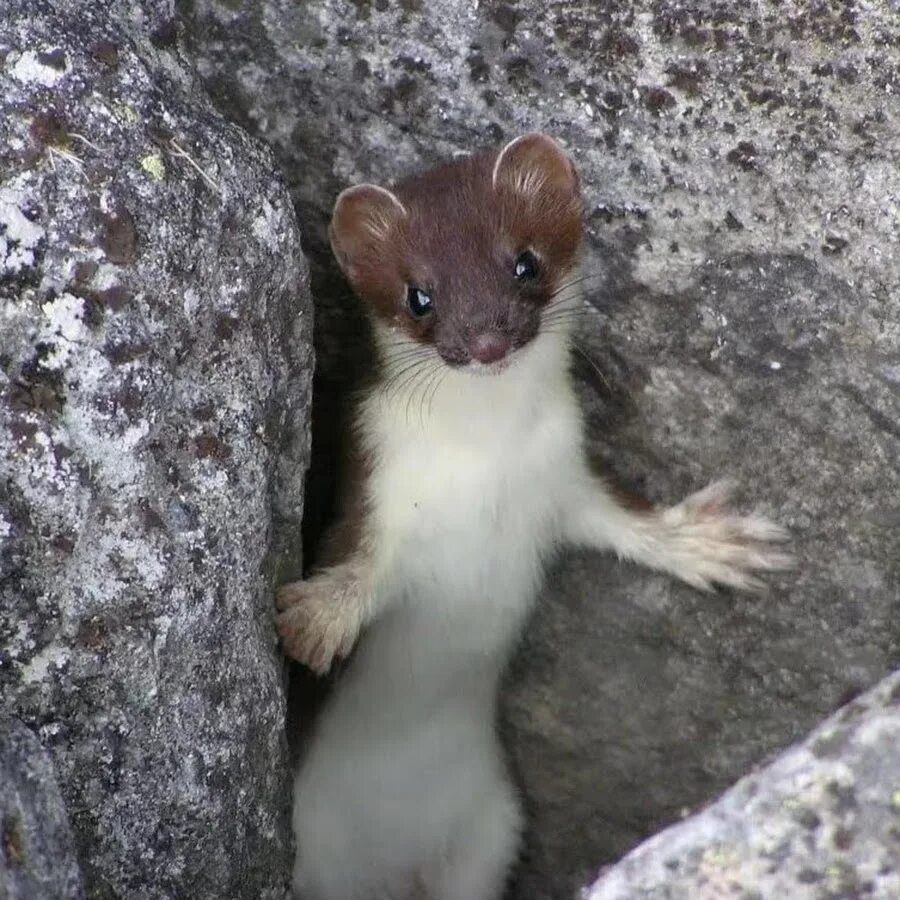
(489, 347)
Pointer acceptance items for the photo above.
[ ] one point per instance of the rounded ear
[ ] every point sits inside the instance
(534, 163)
(364, 218)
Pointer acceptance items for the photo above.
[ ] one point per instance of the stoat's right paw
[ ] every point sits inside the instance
(319, 619)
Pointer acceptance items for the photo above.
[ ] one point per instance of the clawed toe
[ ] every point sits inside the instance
(288, 595)
(714, 546)
(318, 620)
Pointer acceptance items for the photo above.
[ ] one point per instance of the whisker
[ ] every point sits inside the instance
(434, 391)
(413, 374)
(409, 376)
(403, 352)
(400, 379)
(567, 301)
(561, 318)
(412, 393)
(590, 360)
(401, 366)
(579, 280)
(569, 327)
(401, 356)
(433, 377)
(561, 304)
(568, 306)
(563, 314)
(403, 342)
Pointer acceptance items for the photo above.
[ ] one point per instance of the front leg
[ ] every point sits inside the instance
(321, 618)
(698, 540)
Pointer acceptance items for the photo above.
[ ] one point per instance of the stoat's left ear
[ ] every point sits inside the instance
(535, 163)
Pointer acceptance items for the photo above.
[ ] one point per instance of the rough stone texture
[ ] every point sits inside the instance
(740, 166)
(154, 361)
(37, 856)
(823, 820)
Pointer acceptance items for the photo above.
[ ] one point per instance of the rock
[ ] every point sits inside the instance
(37, 857)
(820, 821)
(738, 165)
(155, 368)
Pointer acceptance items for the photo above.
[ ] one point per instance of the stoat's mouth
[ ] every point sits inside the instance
(494, 368)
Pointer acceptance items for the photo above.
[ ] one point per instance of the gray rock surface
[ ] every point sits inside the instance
(823, 820)
(740, 169)
(37, 855)
(155, 368)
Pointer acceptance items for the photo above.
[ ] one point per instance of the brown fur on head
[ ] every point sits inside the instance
(486, 241)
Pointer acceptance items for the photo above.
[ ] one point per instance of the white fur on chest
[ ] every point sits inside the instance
(465, 495)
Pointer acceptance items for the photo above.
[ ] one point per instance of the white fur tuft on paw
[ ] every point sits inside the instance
(320, 619)
(703, 543)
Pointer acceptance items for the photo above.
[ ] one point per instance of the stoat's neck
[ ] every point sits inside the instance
(421, 393)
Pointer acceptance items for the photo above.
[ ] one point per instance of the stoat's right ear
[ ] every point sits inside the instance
(365, 217)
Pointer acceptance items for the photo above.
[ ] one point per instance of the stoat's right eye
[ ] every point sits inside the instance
(418, 302)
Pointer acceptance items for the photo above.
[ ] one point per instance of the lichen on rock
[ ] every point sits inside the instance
(155, 368)
(819, 821)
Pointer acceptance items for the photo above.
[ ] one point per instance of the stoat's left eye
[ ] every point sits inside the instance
(418, 302)
(526, 267)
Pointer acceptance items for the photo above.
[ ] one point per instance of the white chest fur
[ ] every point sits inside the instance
(465, 495)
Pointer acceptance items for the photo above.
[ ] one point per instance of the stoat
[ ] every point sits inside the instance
(475, 476)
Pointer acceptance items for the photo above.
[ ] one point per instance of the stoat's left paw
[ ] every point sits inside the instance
(708, 544)
(320, 618)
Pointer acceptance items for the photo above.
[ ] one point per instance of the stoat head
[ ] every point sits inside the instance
(465, 257)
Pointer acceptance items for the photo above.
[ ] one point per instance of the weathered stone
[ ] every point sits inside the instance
(820, 821)
(37, 856)
(155, 368)
(740, 170)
